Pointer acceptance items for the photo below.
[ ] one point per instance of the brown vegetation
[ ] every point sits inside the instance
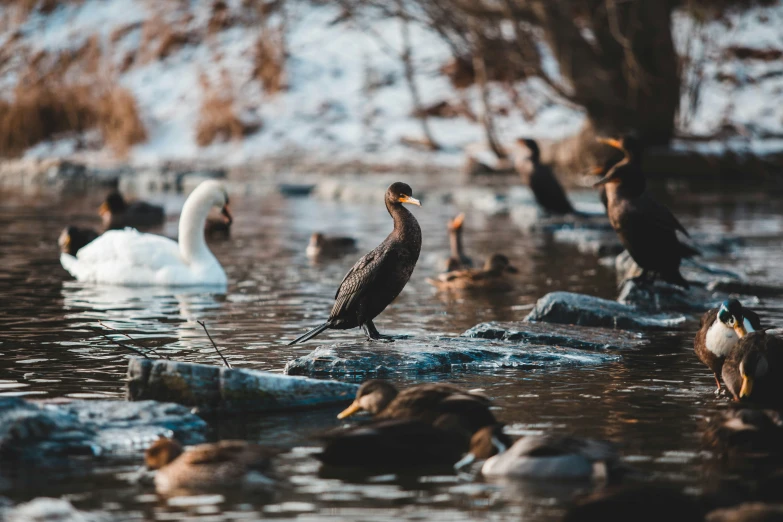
(218, 119)
(270, 60)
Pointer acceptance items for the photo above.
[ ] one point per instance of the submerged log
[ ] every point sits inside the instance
(588, 310)
(440, 354)
(214, 389)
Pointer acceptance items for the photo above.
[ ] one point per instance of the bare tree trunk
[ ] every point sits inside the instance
(480, 70)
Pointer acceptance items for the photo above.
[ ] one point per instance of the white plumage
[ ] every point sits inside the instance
(132, 258)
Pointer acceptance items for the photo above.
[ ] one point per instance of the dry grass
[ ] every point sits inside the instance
(118, 120)
(270, 60)
(218, 119)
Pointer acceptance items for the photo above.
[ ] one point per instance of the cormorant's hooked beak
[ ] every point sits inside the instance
(103, 209)
(350, 410)
(747, 387)
(739, 329)
(609, 178)
(226, 213)
(612, 143)
(457, 221)
(597, 170)
(409, 199)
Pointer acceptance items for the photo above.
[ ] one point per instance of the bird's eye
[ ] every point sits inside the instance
(731, 321)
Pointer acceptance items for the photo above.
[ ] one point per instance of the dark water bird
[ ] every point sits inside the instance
(646, 228)
(544, 457)
(427, 403)
(73, 238)
(719, 332)
(614, 158)
(457, 260)
(218, 227)
(548, 192)
(494, 276)
(326, 246)
(753, 370)
(227, 464)
(378, 277)
(117, 213)
(396, 444)
(647, 503)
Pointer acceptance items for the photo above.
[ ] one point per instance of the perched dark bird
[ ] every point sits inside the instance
(493, 277)
(614, 158)
(228, 464)
(753, 371)
(325, 246)
(720, 330)
(545, 457)
(395, 444)
(548, 192)
(434, 404)
(378, 277)
(647, 229)
(73, 238)
(116, 213)
(458, 260)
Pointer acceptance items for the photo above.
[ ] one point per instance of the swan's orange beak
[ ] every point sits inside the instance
(226, 213)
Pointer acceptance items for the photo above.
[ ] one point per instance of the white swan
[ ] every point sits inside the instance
(131, 258)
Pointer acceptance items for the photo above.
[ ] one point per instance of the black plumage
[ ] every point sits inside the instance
(548, 192)
(646, 228)
(74, 238)
(458, 260)
(117, 213)
(720, 331)
(753, 371)
(378, 277)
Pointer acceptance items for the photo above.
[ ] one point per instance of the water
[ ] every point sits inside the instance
(652, 403)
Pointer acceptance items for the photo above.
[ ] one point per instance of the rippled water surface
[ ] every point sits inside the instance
(653, 403)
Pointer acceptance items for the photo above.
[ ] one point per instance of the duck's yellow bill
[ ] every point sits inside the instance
(350, 410)
(740, 330)
(747, 387)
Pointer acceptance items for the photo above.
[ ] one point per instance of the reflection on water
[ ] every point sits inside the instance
(653, 404)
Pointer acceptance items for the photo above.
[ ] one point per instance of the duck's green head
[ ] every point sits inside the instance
(732, 315)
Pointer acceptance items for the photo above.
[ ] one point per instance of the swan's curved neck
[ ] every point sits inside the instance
(192, 245)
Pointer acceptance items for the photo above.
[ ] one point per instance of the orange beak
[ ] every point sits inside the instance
(103, 209)
(226, 213)
(611, 142)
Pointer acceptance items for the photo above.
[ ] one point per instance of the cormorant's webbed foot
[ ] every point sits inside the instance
(374, 335)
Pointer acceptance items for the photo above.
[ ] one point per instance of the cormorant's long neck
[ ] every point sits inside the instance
(405, 225)
(192, 245)
(455, 242)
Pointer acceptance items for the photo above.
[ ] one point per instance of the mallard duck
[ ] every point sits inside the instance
(228, 464)
(646, 228)
(426, 403)
(326, 246)
(548, 192)
(720, 331)
(116, 213)
(545, 457)
(458, 260)
(396, 444)
(131, 258)
(493, 277)
(378, 277)
(753, 370)
(72, 239)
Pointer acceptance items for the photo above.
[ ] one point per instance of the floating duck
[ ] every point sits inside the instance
(72, 239)
(458, 260)
(116, 213)
(329, 246)
(132, 258)
(493, 277)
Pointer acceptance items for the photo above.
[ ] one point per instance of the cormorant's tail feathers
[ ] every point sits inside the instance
(309, 335)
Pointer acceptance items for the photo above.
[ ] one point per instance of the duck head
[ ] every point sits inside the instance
(373, 396)
(485, 443)
(499, 263)
(731, 314)
(399, 193)
(162, 452)
(753, 366)
(113, 204)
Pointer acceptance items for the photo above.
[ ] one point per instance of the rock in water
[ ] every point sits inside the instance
(44, 509)
(47, 434)
(230, 390)
(580, 337)
(587, 310)
(442, 354)
(663, 296)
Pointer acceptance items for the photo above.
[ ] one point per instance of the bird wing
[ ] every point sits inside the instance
(752, 317)
(360, 278)
(659, 215)
(548, 191)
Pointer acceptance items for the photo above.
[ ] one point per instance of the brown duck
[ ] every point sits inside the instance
(753, 371)
(493, 277)
(547, 191)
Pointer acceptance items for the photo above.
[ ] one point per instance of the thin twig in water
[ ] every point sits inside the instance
(122, 345)
(151, 349)
(204, 326)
